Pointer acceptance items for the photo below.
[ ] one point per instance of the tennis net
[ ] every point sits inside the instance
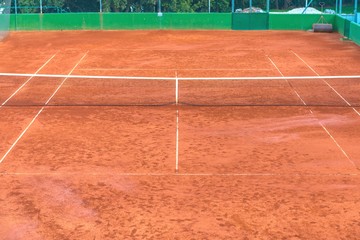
(76, 90)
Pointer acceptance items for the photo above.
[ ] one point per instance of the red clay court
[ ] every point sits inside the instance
(179, 135)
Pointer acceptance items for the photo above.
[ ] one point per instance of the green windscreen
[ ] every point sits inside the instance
(355, 32)
(250, 21)
(4, 18)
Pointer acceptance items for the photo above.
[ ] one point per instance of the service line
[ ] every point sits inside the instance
(177, 124)
(173, 69)
(39, 112)
(134, 174)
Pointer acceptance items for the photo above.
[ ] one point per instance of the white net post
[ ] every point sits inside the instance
(4, 18)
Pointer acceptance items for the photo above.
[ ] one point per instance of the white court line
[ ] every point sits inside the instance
(21, 135)
(177, 124)
(179, 78)
(337, 144)
(31, 77)
(177, 142)
(173, 50)
(297, 94)
(172, 69)
(36, 116)
(313, 70)
(324, 128)
(62, 83)
(176, 88)
(182, 174)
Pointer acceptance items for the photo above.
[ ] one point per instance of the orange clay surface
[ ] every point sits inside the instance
(94, 171)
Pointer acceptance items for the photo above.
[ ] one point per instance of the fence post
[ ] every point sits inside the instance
(15, 5)
(355, 10)
(340, 6)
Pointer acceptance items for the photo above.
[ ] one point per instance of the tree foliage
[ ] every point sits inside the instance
(32, 6)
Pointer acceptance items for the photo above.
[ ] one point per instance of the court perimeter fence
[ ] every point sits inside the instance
(190, 21)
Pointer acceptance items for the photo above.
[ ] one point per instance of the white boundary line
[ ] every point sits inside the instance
(176, 89)
(39, 112)
(27, 81)
(177, 124)
(21, 135)
(62, 83)
(323, 127)
(177, 142)
(186, 174)
(179, 78)
(171, 50)
(173, 69)
(297, 94)
(337, 144)
(313, 70)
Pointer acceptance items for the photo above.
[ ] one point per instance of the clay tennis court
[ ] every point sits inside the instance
(179, 158)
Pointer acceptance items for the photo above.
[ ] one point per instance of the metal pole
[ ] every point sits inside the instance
(268, 6)
(355, 10)
(41, 11)
(340, 6)
(306, 7)
(209, 6)
(159, 7)
(15, 5)
(250, 5)
(337, 5)
(100, 2)
(232, 5)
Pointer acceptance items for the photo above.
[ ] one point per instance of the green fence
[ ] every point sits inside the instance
(296, 21)
(109, 21)
(342, 26)
(226, 21)
(355, 32)
(4, 25)
(250, 21)
(4, 22)
(113, 21)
